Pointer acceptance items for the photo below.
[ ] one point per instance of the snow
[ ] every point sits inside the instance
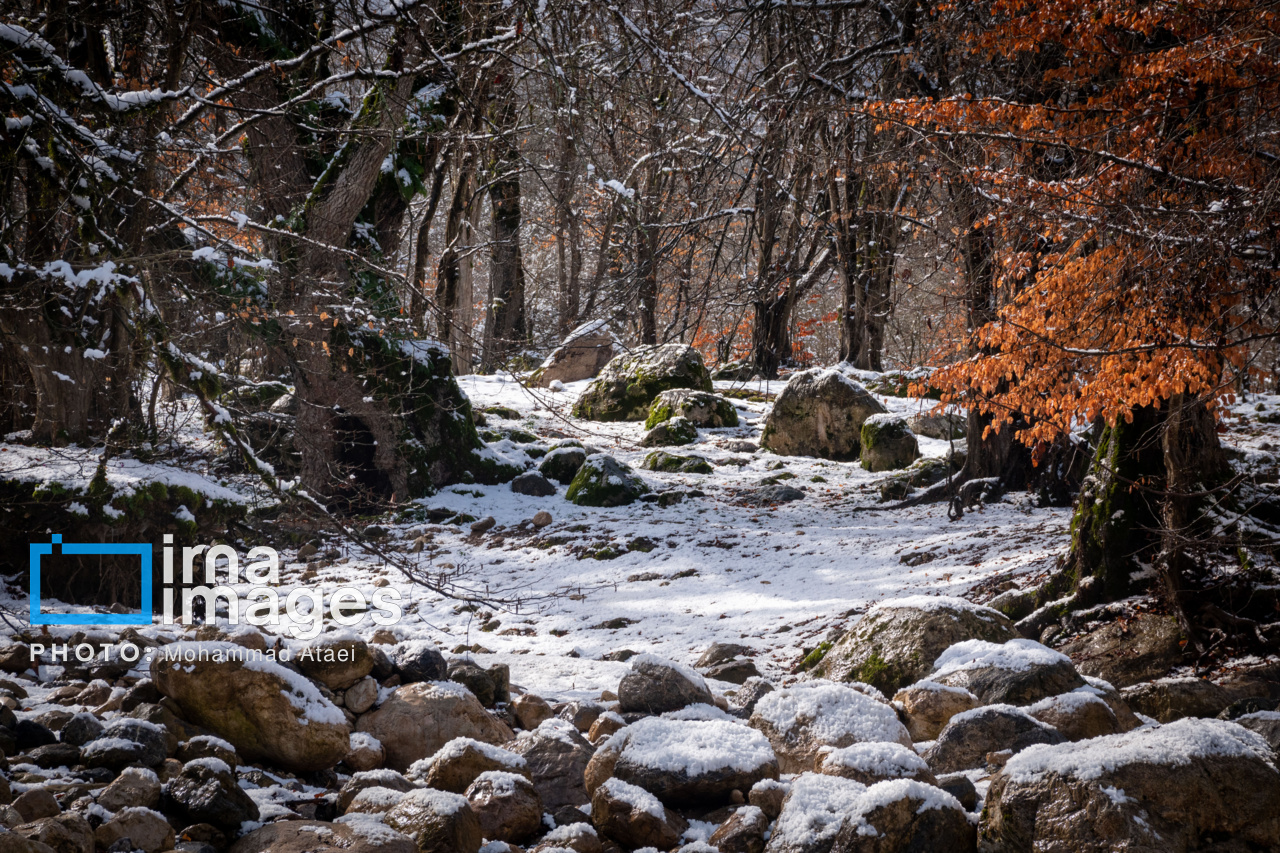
(638, 798)
(936, 603)
(364, 740)
(888, 760)
(1176, 744)
(504, 784)
(1015, 656)
(697, 711)
(830, 713)
(886, 793)
(998, 708)
(692, 747)
(687, 672)
(816, 809)
(431, 801)
(459, 746)
(1068, 702)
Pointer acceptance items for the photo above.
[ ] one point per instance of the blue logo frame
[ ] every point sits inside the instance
(140, 549)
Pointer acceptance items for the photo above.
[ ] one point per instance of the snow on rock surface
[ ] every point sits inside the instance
(801, 719)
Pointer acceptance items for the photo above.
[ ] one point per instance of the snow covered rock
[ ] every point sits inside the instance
(1265, 723)
(710, 411)
(1079, 715)
(633, 817)
(819, 413)
(418, 660)
(897, 642)
(887, 443)
(146, 830)
(629, 383)
(533, 484)
(744, 832)
(813, 813)
(315, 836)
(418, 719)
(968, 737)
(374, 801)
(557, 756)
(1190, 785)
(670, 433)
(368, 779)
(206, 791)
(768, 796)
(1019, 672)
(563, 461)
(127, 742)
(361, 696)
(928, 706)
(685, 762)
(604, 481)
(870, 763)
(507, 806)
(1142, 647)
(1169, 699)
(135, 786)
(605, 726)
(800, 720)
(945, 426)
(582, 355)
(575, 837)
(366, 752)
(437, 821)
(461, 761)
(336, 660)
(655, 686)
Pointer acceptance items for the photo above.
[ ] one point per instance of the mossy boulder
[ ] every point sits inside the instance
(705, 410)
(888, 443)
(819, 413)
(897, 642)
(668, 433)
(673, 463)
(604, 481)
(563, 461)
(734, 371)
(921, 473)
(629, 383)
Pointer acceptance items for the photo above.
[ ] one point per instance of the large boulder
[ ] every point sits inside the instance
(903, 816)
(1078, 715)
(437, 821)
(336, 660)
(801, 720)
(557, 756)
(563, 461)
(206, 791)
(927, 706)
(683, 762)
(629, 383)
(813, 813)
(897, 642)
(1019, 672)
(460, 761)
(634, 818)
(1169, 699)
(138, 827)
(267, 712)
(1192, 785)
(1140, 648)
(507, 806)
(819, 413)
(420, 718)
(655, 686)
(583, 354)
(314, 836)
(1265, 723)
(870, 763)
(744, 832)
(887, 443)
(604, 481)
(672, 432)
(709, 411)
(969, 737)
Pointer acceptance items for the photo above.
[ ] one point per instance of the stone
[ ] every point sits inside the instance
(813, 813)
(36, 803)
(1079, 715)
(127, 742)
(746, 697)
(581, 713)
(53, 755)
(605, 725)
(634, 818)
(418, 660)
(604, 481)
(483, 525)
(361, 696)
(530, 710)
(562, 462)
(206, 792)
(960, 786)
(1141, 648)
(743, 832)
(541, 519)
(887, 443)
(721, 653)
(1019, 672)
(144, 829)
(533, 484)
(768, 796)
(557, 756)
(801, 720)
(1264, 723)
(366, 752)
(374, 801)
(967, 739)
(437, 821)
(461, 761)
(365, 780)
(1169, 699)
(928, 705)
(674, 463)
(819, 413)
(135, 786)
(66, 833)
(507, 806)
(708, 411)
(902, 816)
(475, 679)
(946, 426)
(337, 660)
(1194, 784)
(81, 729)
(733, 671)
(772, 495)
(267, 712)
(314, 836)
(418, 719)
(656, 686)
(582, 355)
(870, 763)
(630, 382)
(15, 658)
(670, 433)
(897, 642)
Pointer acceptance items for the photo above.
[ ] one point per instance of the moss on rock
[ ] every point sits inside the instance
(604, 481)
(887, 443)
(668, 433)
(629, 383)
(673, 463)
(704, 410)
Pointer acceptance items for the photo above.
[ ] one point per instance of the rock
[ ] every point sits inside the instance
(475, 679)
(710, 411)
(897, 642)
(135, 786)
(903, 816)
(127, 742)
(507, 806)
(541, 519)
(53, 755)
(418, 660)
(1169, 699)
(368, 779)
(1079, 715)
(336, 660)
(813, 813)
(604, 481)
(81, 729)
(629, 383)
(743, 832)
(968, 737)
(314, 836)
(1019, 672)
(771, 495)
(144, 829)
(946, 426)
(461, 761)
(670, 433)
(484, 525)
(361, 696)
(557, 756)
(685, 762)
(605, 725)
(928, 705)
(870, 763)
(533, 484)
(15, 658)
(721, 653)
(531, 710)
(437, 821)
(633, 817)
(655, 686)
(562, 462)
(887, 443)
(768, 796)
(28, 733)
(366, 752)
(1265, 723)
(733, 671)
(36, 803)
(374, 801)
(420, 718)
(579, 837)
(582, 355)
(1141, 648)
(206, 792)
(747, 696)
(960, 786)
(582, 714)
(1188, 785)
(800, 720)
(819, 413)
(67, 833)
(264, 710)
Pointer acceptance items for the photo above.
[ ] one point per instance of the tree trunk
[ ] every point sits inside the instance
(453, 281)
(505, 330)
